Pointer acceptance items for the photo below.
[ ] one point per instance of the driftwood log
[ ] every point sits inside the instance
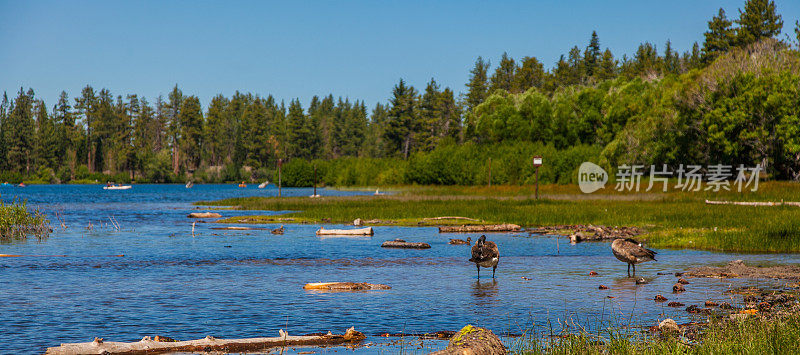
(150, 346)
(204, 215)
(474, 341)
(399, 243)
(479, 228)
(450, 217)
(345, 286)
(359, 231)
(239, 228)
(743, 203)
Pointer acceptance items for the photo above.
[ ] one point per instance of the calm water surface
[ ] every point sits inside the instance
(249, 283)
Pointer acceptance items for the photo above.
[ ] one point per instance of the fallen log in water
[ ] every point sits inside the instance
(399, 243)
(473, 340)
(204, 215)
(360, 231)
(478, 228)
(149, 346)
(345, 286)
(450, 217)
(239, 228)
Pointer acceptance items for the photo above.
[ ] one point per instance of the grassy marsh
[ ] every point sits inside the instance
(674, 219)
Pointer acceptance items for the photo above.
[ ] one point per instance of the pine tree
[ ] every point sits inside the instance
(4, 128)
(86, 105)
(608, 66)
(403, 120)
(374, 143)
(478, 86)
(695, 57)
(191, 122)
(561, 74)
(671, 61)
(503, 77)
(591, 56)
(20, 133)
(796, 34)
(449, 117)
(576, 69)
(429, 113)
(46, 139)
(217, 132)
(719, 38)
(646, 61)
(758, 20)
(529, 74)
(298, 134)
(173, 108)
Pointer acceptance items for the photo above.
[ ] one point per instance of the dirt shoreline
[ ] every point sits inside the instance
(738, 269)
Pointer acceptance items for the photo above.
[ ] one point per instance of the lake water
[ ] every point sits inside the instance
(232, 284)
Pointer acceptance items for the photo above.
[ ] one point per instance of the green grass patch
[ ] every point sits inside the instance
(672, 220)
(753, 335)
(17, 223)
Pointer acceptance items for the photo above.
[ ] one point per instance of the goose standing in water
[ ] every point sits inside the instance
(485, 254)
(631, 252)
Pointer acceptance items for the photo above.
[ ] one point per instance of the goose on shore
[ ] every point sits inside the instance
(631, 252)
(485, 254)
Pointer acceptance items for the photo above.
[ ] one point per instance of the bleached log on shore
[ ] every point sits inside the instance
(149, 346)
(204, 215)
(345, 286)
(478, 228)
(450, 217)
(744, 203)
(399, 243)
(359, 231)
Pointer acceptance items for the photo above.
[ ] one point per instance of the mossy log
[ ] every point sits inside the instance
(472, 340)
(478, 228)
(208, 344)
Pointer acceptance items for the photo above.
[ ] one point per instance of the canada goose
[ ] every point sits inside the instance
(460, 241)
(485, 254)
(278, 230)
(631, 252)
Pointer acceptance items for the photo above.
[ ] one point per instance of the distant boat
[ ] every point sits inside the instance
(314, 196)
(242, 184)
(22, 184)
(377, 193)
(189, 185)
(263, 184)
(111, 186)
(5, 184)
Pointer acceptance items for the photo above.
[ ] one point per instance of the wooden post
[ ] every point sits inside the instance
(280, 162)
(537, 162)
(490, 172)
(315, 180)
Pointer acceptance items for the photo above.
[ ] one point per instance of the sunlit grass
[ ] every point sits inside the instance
(672, 220)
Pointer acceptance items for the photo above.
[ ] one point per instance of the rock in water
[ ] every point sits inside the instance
(678, 288)
(473, 340)
(668, 326)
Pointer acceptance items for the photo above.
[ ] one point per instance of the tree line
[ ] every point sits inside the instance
(733, 99)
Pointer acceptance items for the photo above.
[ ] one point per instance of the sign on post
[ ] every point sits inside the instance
(537, 162)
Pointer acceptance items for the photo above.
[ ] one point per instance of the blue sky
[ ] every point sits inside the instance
(356, 49)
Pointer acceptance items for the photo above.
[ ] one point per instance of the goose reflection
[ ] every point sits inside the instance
(484, 289)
